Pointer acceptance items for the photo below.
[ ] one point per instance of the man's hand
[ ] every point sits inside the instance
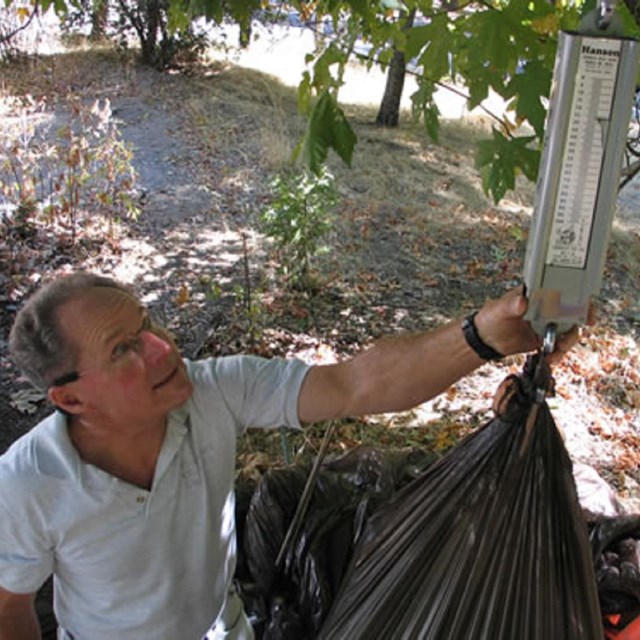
(501, 324)
(566, 341)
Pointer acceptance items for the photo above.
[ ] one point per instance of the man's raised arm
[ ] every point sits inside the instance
(401, 372)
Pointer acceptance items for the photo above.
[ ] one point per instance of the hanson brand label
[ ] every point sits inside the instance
(583, 153)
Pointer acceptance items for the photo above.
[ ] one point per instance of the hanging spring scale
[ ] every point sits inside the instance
(585, 136)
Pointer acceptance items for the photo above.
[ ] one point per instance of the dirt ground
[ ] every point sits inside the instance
(194, 253)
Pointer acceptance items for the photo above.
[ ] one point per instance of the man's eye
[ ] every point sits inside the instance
(121, 349)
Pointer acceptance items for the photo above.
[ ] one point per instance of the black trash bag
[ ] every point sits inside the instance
(489, 544)
(616, 557)
(292, 601)
(244, 491)
(604, 532)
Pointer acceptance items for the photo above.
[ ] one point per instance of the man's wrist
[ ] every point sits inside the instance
(471, 335)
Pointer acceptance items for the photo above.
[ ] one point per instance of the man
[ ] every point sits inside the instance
(125, 493)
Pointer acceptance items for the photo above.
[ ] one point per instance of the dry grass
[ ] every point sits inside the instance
(243, 113)
(248, 115)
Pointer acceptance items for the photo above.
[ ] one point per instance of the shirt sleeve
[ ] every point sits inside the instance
(259, 392)
(25, 559)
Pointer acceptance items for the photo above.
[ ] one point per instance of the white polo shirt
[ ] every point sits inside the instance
(130, 563)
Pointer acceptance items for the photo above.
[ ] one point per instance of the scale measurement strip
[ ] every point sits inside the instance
(583, 154)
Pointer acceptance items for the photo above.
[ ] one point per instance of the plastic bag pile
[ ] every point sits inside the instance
(291, 602)
(486, 543)
(616, 551)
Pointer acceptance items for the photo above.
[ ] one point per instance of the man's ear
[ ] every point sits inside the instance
(65, 399)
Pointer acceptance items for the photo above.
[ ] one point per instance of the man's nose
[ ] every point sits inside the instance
(154, 348)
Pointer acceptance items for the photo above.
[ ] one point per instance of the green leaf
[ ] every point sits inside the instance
(435, 58)
(486, 52)
(501, 158)
(416, 38)
(569, 19)
(360, 7)
(424, 106)
(529, 88)
(328, 128)
(385, 57)
(492, 34)
(434, 40)
(588, 6)
(241, 11)
(524, 13)
(322, 78)
(431, 117)
(212, 9)
(304, 94)
(60, 7)
(629, 22)
(181, 12)
(179, 15)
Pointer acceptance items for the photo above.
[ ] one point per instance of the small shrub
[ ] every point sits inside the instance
(298, 220)
(82, 170)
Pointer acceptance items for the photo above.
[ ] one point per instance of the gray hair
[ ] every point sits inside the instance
(38, 344)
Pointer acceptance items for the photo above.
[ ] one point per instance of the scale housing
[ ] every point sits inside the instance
(576, 191)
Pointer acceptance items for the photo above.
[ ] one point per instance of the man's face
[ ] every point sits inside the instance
(129, 371)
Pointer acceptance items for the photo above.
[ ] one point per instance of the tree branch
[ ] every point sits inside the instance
(134, 19)
(6, 37)
(629, 173)
(369, 58)
(438, 83)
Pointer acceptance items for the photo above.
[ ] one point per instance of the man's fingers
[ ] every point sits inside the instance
(518, 304)
(564, 344)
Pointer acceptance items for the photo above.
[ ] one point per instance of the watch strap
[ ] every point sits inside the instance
(474, 340)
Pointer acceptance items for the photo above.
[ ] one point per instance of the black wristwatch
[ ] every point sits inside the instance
(474, 340)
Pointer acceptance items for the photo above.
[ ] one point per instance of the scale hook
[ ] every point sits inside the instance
(550, 335)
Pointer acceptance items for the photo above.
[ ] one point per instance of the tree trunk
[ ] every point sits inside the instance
(99, 17)
(389, 112)
(150, 12)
